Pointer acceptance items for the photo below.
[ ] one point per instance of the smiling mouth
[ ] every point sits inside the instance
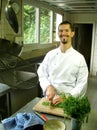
(64, 37)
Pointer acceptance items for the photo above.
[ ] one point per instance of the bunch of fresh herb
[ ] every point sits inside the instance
(77, 107)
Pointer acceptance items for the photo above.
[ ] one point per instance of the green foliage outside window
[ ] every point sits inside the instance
(30, 25)
(44, 26)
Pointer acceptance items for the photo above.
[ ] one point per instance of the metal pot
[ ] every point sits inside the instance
(75, 124)
(4, 45)
(7, 46)
(11, 16)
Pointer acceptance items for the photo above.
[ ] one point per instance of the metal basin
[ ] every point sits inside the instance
(19, 79)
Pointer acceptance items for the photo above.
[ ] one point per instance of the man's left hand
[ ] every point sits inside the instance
(57, 99)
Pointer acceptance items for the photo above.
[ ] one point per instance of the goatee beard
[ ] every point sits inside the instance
(64, 41)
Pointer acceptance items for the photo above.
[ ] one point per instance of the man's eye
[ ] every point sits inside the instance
(60, 30)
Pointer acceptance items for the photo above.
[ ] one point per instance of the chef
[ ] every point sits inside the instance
(63, 70)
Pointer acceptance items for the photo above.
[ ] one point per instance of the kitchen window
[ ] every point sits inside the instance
(39, 23)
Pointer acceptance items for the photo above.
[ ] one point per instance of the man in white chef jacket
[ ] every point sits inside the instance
(63, 70)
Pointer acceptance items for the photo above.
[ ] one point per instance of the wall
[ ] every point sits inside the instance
(5, 29)
(92, 19)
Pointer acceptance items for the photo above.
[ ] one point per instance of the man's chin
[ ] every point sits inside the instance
(63, 41)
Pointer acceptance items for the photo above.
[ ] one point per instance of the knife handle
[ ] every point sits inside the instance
(43, 117)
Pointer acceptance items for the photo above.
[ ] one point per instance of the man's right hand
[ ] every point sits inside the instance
(50, 92)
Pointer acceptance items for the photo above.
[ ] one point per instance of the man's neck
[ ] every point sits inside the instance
(65, 47)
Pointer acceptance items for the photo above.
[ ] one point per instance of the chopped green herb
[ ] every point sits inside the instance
(46, 103)
(60, 105)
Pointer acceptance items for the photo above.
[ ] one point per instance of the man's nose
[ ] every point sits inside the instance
(64, 32)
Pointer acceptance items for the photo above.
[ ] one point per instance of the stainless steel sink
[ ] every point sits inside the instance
(19, 79)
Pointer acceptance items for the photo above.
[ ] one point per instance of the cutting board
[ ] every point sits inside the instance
(39, 107)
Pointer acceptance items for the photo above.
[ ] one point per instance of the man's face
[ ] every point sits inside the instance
(65, 33)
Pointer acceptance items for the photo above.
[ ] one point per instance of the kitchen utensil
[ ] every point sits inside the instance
(7, 46)
(41, 116)
(35, 127)
(11, 16)
(54, 124)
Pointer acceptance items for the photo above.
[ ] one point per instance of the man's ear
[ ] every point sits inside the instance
(72, 34)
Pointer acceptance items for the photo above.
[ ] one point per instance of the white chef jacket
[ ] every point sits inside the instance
(67, 72)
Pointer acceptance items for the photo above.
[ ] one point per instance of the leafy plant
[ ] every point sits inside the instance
(77, 107)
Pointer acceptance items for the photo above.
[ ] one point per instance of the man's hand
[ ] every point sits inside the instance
(57, 99)
(50, 92)
(51, 95)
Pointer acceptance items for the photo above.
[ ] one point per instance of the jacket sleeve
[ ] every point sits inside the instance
(82, 80)
(43, 73)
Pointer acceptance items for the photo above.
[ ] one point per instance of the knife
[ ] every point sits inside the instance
(43, 117)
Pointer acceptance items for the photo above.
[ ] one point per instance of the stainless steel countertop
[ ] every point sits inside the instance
(91, 125)
(4, 89)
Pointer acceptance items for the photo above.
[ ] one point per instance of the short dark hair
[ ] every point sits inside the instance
(67, 22)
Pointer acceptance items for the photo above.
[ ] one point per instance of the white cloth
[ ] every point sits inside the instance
(67, 72)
